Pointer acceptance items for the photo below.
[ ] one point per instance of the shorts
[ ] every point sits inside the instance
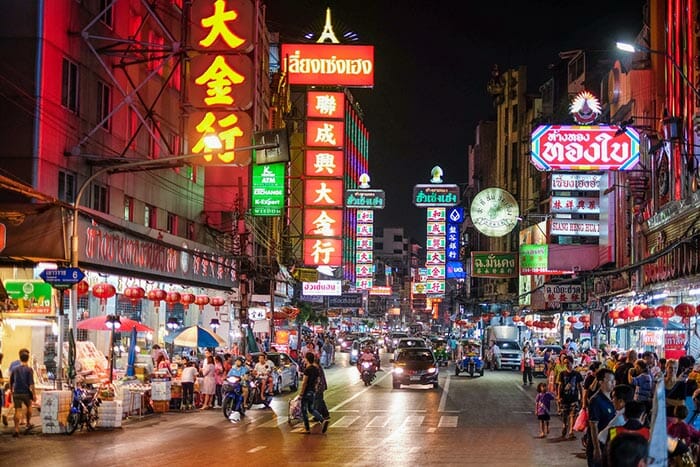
(19, 399)
(568, 408)
(544, 417)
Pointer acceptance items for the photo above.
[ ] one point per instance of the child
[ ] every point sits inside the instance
(6, 404)
(543, 401)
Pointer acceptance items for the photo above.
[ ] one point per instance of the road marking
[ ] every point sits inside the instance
(431, 430)
(275, 422)
(256, 449)
(532, 398)
(445, 391)
(358, 394)
(448, 421)
(380, 422)
(413, 420)
(344, 422)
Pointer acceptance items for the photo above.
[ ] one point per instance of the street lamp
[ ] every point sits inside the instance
(632, 48)
(133, 166)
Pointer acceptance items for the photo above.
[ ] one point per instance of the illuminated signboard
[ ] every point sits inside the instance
(323, 251)
(563, 293)
(323, 222)
(222, 79)
(325, 104)
(267, 197)
(363, 198)
(322, 192)
(582, 227)
(325, 133)
(322, 163)
(329, 64)
(322, 288)
(435, 195)
(575, 182)
(533, 259)
(564, 147)
(494, 264)
(574, 205)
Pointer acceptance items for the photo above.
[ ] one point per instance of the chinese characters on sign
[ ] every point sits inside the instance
(494, 264)
(435, 237)
(364, 260)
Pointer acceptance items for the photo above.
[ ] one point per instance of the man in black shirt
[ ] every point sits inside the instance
(308, 392)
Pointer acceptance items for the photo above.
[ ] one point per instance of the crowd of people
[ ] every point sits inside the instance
(609, 396)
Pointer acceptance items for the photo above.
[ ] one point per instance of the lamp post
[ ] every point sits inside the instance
(133, 166)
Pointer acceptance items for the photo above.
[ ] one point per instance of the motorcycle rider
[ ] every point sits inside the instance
(240, 370)
(263, 371)
(367, 356)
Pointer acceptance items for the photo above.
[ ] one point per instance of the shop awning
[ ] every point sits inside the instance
(652, 323)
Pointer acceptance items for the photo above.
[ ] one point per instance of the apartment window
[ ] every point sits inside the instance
(66, 186)
(100, 198)
(172, 223)
(149, 217)
(129, 208)
(69, 85)
(190, 230)
(398, 238)
(398, 252)
(378, 246)
(104, 104)
(106, 18)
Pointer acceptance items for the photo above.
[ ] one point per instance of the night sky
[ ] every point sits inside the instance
(432, 63)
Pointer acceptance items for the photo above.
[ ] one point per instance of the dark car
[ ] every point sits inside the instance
(414, 365)
(392, 339)
(539, 368)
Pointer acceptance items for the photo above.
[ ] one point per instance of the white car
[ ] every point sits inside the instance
(286, 371)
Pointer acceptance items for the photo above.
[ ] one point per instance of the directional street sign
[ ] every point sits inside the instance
(62, 278)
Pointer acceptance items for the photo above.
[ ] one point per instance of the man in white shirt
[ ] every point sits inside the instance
(263, 371)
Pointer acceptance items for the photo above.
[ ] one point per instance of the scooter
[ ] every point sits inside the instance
(255, 396)
(83, 411)
(233, 403)
(367, 372)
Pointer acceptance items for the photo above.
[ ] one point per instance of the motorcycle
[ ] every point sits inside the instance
(255, 395)
(367, 372)
(470, 364)
(83, 411)
(233, 398)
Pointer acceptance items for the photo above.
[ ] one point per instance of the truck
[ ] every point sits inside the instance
(506, 337)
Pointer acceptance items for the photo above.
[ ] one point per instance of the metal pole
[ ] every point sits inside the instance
(59, 351)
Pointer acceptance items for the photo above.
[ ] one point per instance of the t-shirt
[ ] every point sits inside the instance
(642, 387)
(311, 372)
(601, 410)
(189, 374)
(543, 402)
(238, 371)
(263, 369)
(21, 379)
(569, 386)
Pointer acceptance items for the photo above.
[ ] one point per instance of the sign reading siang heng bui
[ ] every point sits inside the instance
(565, 147)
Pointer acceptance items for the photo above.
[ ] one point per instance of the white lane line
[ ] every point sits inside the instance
(380, 422)
(256, 449)
(359, 393)
(413, 420)
(344, 422)
(275, 422)
(448, 421)
(445, 391)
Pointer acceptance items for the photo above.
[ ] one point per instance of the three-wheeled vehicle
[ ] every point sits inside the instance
(471, 361)
(440, 350)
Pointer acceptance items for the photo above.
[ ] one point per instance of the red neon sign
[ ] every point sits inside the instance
(323, 192)
(325, 104)
(329, 64)
(320, 163)
(325, 133)
(323, 251)
(323, 222)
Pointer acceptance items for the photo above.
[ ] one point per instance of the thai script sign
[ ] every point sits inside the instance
(533, 259)
(29, 297)
(583, 227)
(348, 300)
(326, 64)
(365, 199)
(435, 195)
(321, 288)
(575, 182)
(563, 147)
(494, 264)
(566, 293)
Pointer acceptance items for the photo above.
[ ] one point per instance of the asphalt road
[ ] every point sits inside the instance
(481, 421)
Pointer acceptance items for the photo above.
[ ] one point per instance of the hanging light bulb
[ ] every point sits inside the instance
(214, 324)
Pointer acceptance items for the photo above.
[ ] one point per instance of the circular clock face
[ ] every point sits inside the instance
(494, 212)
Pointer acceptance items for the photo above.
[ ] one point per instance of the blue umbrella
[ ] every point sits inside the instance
(197, 336)
(130, 370)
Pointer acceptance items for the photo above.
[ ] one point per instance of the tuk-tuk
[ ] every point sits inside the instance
(471, 361)
(440, 349)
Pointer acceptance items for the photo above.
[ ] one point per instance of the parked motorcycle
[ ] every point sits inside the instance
(367, 372)
(255, 395)
(232, 390)
(83, 410)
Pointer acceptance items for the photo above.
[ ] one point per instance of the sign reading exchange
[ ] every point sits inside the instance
(566, 147)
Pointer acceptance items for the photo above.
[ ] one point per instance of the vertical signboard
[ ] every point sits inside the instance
(267, 197)
(364, 260)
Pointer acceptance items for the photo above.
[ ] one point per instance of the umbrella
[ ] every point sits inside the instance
(99, 323)
(652, 323)
(252, 345)
(197, 336)
(130, 371)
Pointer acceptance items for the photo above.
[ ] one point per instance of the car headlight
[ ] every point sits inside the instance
(398, 370)
(432, 370)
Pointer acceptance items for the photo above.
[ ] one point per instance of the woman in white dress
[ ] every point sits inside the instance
(209, 383)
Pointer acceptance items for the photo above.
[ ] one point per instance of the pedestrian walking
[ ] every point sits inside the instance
(23, 391)
(526, 365)
(208, 388)
(308, 393)
(601, 411)
(219, 373)
(569, 389)
(543, 402)
(319, 401)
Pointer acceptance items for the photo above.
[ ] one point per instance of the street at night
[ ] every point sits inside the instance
(485, 420)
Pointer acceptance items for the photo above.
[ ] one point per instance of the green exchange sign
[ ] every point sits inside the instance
(268, 189)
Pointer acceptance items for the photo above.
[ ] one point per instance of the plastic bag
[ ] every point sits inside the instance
(581, 422)
(294, 410)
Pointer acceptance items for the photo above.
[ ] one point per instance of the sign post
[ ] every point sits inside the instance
(61, 279)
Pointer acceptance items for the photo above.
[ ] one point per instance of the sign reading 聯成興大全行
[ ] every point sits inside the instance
(268, 189)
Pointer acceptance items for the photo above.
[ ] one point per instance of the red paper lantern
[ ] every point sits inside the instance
(171, 298)
(156, 296)
(649, 312)
(529, 323)
(626, 313)
(665, 312)
(134, 294)
(217, 302)
(103, 291)
(572, 319)
(615, 314)
(201, 301)
(637, 310)
(551, 325)
(585, 319)
(187, 299)
(82, 288)
(517, 319)
(685, 310)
